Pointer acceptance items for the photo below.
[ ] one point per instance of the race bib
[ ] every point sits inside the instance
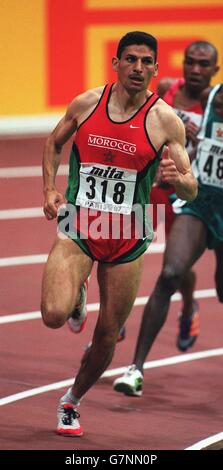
(106, 188)
(210, 162)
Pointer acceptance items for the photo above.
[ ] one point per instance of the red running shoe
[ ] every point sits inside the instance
(68, 424)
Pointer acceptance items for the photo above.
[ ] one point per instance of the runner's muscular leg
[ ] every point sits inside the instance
(185, 244)
(66, 269)
(186, 289)
(118, 288)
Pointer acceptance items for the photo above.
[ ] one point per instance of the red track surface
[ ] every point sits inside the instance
(181, 404)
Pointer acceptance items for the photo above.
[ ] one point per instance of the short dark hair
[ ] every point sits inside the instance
(204, 44)
(137, 37)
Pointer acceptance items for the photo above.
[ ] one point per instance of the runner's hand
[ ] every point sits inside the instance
(168, 170)
(53, 200)
(191, 131)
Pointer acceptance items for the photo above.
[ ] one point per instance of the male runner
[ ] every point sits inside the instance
(120, 132)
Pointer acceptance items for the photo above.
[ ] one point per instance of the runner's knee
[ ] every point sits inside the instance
(53, 318)
(170, 278)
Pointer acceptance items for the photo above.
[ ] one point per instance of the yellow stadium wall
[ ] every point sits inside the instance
(50, 50)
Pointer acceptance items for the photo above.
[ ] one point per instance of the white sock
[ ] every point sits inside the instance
(70, 398)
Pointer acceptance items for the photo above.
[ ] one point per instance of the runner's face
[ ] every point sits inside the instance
(199, 67)
(136, 67)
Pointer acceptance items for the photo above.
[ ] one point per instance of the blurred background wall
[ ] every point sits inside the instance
(50, 50)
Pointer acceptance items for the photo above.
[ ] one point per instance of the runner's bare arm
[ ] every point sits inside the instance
(79, 109)
(176, 168)
(51, 161)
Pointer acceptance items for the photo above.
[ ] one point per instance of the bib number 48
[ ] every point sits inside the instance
(209, 169)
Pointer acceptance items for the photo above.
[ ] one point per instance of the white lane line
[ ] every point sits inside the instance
(24, 126)
(29, 171)
(206, 442)
(113, 372)
(94, 307)
(26, 213)
(23, 260)
(35, 391)
(41, 258)
(20, 317)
